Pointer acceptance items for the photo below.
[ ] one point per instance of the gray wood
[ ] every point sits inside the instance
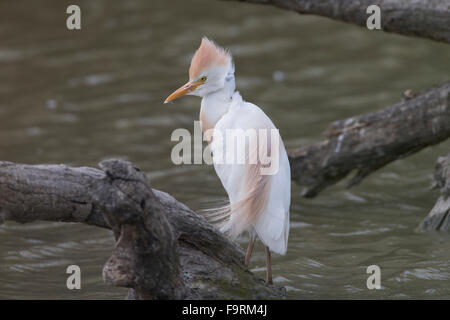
(368, 142)
(422, 18)
(439, 216)
(164, 250)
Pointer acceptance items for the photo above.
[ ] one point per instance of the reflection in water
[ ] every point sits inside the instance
(79, 97)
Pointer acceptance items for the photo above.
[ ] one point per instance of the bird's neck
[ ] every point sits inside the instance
(215, 105)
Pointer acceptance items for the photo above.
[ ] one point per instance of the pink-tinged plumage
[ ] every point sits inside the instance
(258, 202)
(206, 56)
(252, 192)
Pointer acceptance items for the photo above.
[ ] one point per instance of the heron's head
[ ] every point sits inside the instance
(211, 67)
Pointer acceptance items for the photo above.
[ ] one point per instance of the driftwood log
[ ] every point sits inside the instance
(368, 142)
(439, 216)
(163, 249)
(422, 18)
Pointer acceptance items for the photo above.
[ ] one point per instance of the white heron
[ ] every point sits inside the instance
(259, 203)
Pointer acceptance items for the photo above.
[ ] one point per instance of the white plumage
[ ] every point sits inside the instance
(259, 202)
(271, 223)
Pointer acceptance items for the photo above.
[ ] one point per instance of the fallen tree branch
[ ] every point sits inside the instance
(163, 251)
(439, 216)
(368, 142)
(422, 18)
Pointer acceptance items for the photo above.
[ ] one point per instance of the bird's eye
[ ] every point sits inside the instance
(203, 79)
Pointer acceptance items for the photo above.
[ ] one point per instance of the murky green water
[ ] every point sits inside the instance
(77, 97)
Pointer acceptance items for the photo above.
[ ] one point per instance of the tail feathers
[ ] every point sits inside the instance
(249, 191)
(234, 218)
(274, 235)
(218, 216)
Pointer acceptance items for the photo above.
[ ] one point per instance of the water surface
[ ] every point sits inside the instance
(77, 97)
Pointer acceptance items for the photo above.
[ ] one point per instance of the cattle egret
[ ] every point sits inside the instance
(258, 203)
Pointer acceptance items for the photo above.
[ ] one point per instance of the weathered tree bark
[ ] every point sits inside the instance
(439, 216)
(423, 18)
(368, 142)
(163, 251)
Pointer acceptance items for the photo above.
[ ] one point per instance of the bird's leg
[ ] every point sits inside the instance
(249, 249)
(268, 266)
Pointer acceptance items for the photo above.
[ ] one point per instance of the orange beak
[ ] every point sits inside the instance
(185, 89)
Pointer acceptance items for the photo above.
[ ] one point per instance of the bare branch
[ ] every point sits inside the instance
(368, 142)
(422, 18)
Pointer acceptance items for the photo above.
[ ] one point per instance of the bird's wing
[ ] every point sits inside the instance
(256, 199)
